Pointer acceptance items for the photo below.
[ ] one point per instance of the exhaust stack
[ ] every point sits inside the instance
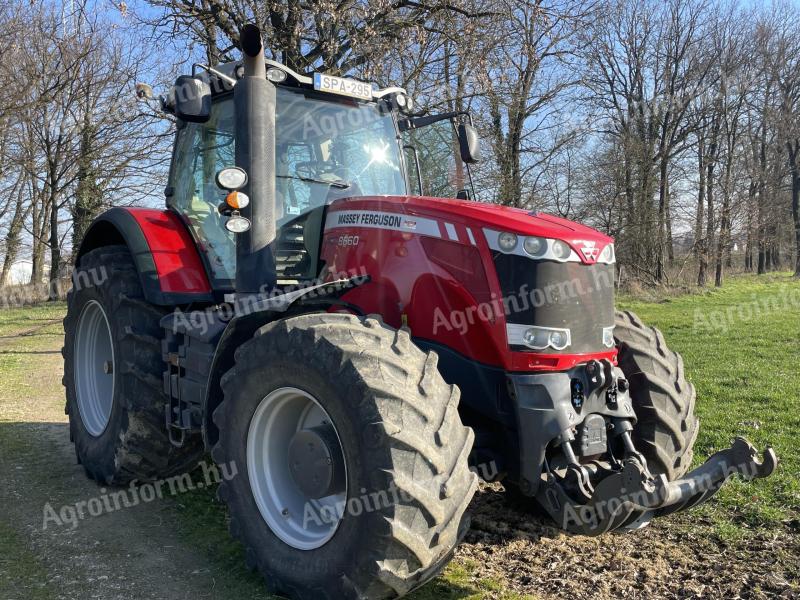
(254, 99)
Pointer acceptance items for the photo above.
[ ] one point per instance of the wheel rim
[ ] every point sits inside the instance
(94, 368)
(300, 521)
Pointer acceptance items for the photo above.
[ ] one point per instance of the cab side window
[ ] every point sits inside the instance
(443, 172)
(201, 150)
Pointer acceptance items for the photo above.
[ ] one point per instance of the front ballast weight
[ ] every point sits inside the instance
(583, 466)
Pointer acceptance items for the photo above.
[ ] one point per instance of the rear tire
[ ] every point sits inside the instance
(128, 438)
(663, 400)
(404, 446)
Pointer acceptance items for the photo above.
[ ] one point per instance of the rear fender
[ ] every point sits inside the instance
(169, 265)
(249, 316)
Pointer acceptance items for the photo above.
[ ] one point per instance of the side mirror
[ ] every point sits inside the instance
(469, 143)
(192, 99)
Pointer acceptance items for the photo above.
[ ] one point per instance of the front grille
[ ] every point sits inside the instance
(569, 295)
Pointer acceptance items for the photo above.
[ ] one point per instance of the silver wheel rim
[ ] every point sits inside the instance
(94, 381)
(299, 521)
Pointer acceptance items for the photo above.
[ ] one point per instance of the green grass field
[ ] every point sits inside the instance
(741, 347)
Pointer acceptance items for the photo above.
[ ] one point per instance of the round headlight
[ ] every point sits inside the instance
(237, 224)
(276, 75)
(507, 241)
(561, 250)
(607, 255)
(559, 340)
(535, 246)
(232, 178)
(529, 337)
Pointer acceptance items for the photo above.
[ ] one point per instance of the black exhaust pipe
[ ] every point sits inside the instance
(254, 99)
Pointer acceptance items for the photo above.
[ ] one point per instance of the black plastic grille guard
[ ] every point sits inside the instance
(630, 497)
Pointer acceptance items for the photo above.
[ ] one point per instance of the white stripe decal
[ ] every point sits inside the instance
(451, 231)
(471, 237)
(371, 219)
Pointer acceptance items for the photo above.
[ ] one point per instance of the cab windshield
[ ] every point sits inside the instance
(333, 149)
(326, 148)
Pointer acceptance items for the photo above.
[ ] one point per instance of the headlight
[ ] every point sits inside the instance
(561, 250)
(559, 339)
(530, 246)
(276, 75)
(535, 246)
(607, 255)
(231, 178)
(608, 336)
(507, 241)
(538, 338)
(237, 223)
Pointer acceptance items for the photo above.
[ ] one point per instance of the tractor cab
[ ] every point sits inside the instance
(334, 138)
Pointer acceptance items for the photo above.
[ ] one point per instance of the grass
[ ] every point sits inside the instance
(15, 320)
(740, 344)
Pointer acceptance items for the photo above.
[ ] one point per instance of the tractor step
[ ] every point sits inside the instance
(187, 350)
(630, 497)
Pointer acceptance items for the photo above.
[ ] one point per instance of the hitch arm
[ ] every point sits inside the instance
(631, 496)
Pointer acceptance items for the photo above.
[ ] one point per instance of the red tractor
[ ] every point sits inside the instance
(355, 355)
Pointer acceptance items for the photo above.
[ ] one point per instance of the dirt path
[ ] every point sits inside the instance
(155, 550)
(136, 552)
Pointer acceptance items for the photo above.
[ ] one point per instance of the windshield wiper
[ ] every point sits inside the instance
(337, 184)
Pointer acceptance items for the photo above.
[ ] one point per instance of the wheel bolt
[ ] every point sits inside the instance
(108, 367)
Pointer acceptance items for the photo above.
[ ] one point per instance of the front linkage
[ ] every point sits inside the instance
(584, 420)
(629, 496)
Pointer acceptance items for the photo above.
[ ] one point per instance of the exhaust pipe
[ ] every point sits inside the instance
(254, 99)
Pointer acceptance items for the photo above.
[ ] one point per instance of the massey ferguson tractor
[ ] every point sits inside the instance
(357, 353)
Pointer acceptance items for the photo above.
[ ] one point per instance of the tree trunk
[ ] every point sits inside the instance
(723, 243)
(40, 222)
(699, 239)
(670, 239)
(661, 239)
(12, 238)
(795, 170)
(88, 198)
(55, 251)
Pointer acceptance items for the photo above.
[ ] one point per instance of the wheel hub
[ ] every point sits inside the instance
(94, 368)
(316, 462)
(296, 468)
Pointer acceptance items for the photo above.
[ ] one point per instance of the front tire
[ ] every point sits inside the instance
(662, 398)
(404, 449)
(113, 375)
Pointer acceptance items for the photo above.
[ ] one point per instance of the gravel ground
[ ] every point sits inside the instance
(680, 557)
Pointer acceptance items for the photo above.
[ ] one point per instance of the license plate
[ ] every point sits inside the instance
(342, 86)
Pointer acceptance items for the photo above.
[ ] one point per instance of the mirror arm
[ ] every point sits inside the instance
(419, 122)
(471, 184)
(212, 71)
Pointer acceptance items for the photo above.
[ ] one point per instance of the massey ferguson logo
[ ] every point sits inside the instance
(588, 249)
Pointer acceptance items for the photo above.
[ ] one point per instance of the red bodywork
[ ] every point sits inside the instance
(431, 268)
(176, 259)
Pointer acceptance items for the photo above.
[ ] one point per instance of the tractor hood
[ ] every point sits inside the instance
(482, 215)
